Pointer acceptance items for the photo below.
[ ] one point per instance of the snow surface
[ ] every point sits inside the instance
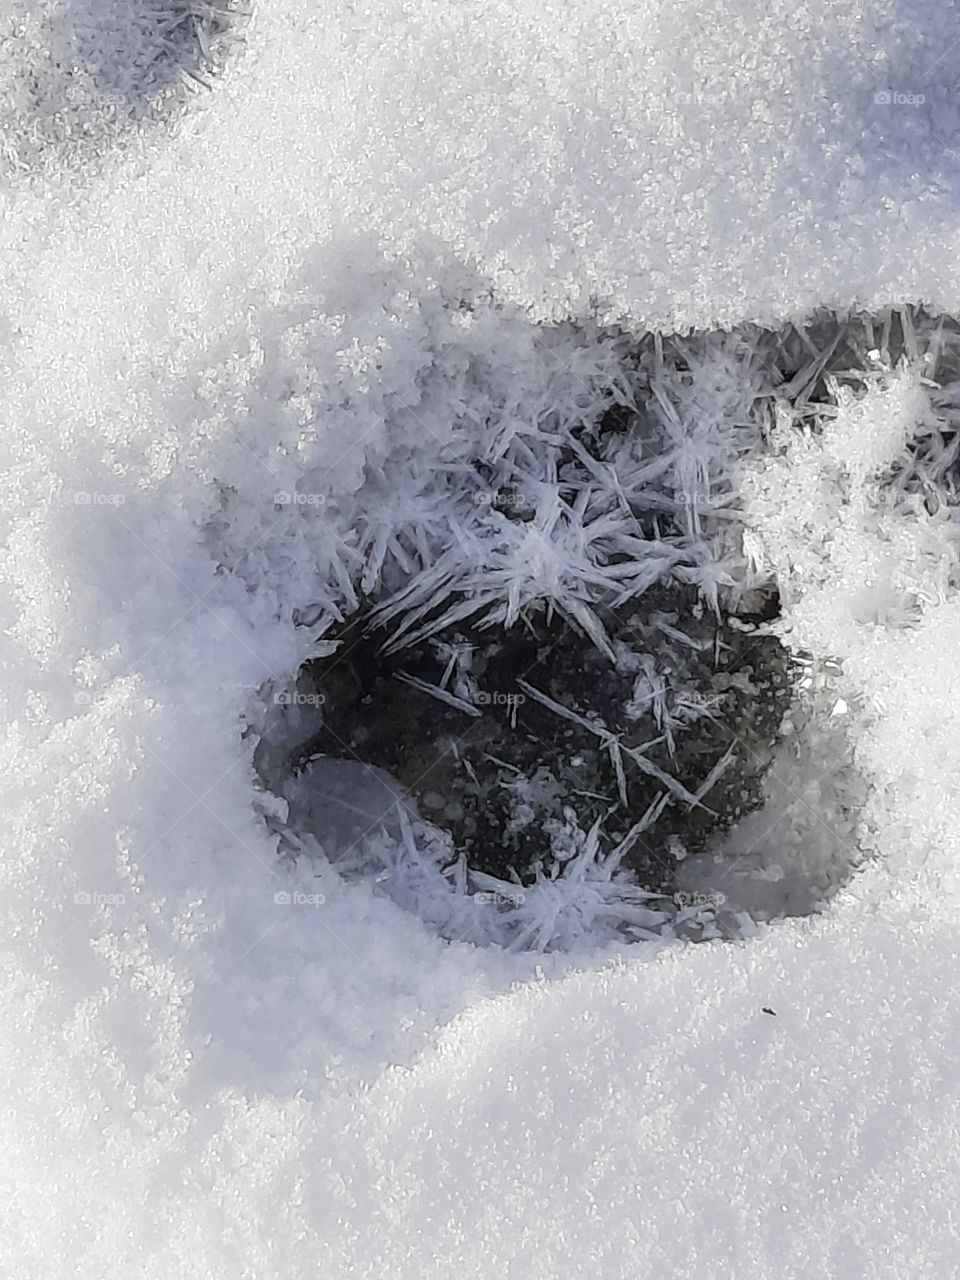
(201, 1080)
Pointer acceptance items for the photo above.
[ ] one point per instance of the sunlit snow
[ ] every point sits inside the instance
(252, 256)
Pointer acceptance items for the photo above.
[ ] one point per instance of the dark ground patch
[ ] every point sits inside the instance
(497, 780)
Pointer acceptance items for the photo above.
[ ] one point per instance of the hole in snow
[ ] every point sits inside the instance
(78, 74)
(497, 736)
(478, 769)
(548, 700)
(133, 50)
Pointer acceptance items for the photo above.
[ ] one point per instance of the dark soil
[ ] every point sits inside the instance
(498, 780)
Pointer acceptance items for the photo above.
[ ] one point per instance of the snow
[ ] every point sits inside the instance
(216, 1067)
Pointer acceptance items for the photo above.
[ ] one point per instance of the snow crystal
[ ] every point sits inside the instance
(223, 311)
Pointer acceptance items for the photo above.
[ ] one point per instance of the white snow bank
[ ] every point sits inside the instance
(199, 1080)
(677, 166)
